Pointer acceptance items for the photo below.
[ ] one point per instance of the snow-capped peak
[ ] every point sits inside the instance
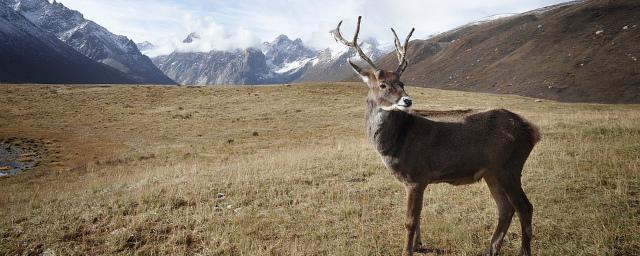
(370, 46)
(145, 46)
(284, 54)
(191, 37)
(294, 65)
(89, 38)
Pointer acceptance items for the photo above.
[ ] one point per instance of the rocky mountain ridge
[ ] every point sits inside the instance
(31, 55)
(90, 39)
(280, 61)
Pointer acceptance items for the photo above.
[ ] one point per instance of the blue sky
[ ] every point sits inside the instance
(229, 24)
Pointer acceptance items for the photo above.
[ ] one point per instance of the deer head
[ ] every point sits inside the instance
(385, 87)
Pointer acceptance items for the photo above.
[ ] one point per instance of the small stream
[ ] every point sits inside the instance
(18, 155)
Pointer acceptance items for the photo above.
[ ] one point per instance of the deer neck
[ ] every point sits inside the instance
(386, 129)
(372, 122)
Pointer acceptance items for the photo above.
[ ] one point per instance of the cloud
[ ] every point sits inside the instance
(213, 36)
(210, 36)
(140, 20)
(226, 25)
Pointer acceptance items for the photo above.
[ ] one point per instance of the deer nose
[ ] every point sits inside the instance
(407, 101)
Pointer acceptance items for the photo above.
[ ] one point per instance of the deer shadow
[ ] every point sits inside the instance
(425, 250)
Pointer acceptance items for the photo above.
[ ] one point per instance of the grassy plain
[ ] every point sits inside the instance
(286, 170)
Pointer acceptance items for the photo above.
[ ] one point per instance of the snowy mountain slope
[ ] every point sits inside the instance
(215, 67)
(90, 39)
(145, 46)
(280, 61)
(287, 59)
(283, 51)
(331, 63)
(31, 55)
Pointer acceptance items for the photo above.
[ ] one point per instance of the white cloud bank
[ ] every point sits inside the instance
(210, 36)
(225, 25)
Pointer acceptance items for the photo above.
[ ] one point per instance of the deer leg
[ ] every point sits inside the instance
(521, 203)
(417, 241)
(415, 193)
(505, 215)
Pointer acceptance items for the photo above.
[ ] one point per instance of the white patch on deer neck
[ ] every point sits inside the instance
(398, 106)
(395, 107)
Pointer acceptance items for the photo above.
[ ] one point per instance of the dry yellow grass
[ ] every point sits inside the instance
(298, 178)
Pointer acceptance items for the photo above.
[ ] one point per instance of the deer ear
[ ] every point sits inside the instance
(364, 75)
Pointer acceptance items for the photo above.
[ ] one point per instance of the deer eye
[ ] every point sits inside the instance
(382, 86)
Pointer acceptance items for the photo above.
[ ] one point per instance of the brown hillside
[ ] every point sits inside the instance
(587, 51)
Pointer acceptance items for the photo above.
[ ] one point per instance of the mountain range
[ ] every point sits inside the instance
(90, 39)
(280, 61)
(215, 67)
(575, 51)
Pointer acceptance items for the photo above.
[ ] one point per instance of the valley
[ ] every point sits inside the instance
(272, 170)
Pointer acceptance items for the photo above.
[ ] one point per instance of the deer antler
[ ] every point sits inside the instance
(401, 51)
(354, 44)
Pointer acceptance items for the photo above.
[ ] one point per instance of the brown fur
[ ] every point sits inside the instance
(458, 147)
(422, 147)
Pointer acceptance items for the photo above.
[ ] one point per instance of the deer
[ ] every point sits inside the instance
(459, 147)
